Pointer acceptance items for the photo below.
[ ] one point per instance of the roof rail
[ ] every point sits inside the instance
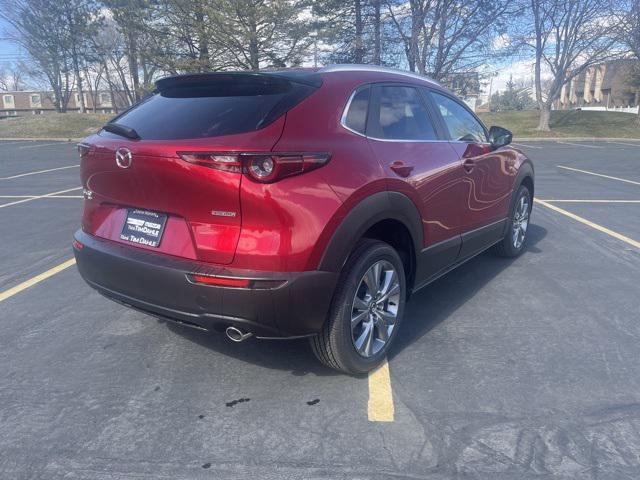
(374, 68)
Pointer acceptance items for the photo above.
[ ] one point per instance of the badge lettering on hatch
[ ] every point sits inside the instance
(221, 213)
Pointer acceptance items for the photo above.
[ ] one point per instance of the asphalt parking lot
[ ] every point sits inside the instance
(502, 370)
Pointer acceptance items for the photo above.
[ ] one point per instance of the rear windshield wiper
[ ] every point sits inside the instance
(122, 130)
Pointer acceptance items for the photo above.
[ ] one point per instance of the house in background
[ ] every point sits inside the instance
(609, 86)
(16, 104)
(466, 85)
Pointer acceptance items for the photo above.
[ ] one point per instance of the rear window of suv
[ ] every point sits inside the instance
(224, 105)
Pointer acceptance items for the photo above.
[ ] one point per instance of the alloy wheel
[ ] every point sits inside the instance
(520, 221)
(375, 308)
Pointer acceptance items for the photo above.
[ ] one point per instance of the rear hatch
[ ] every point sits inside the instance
(145, 184)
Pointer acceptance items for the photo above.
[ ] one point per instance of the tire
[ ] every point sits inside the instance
(511, 246)
(343, 348)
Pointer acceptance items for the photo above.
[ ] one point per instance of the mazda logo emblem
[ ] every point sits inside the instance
(123, 157)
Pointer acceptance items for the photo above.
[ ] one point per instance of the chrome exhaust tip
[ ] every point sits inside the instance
(237, 335)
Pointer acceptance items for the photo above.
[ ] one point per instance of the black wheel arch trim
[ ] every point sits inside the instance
(369, 211)
(525, 171)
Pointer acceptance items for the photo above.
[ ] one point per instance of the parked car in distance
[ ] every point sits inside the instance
(296, 203)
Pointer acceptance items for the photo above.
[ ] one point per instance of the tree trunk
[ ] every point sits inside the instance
(133, 64)
(254, 50)
(377, 56)
(76, 71)
(203, 42)
(114, 105)
(545, 116)
(358, 56)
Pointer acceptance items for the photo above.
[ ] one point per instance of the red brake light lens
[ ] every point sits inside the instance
(222, 281)
(260, 167)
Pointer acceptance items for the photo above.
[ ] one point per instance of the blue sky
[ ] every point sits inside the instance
(8, 50)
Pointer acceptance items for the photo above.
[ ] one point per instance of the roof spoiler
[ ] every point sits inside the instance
(274, 79)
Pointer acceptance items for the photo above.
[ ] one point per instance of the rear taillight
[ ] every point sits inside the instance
(83, 149)
(226, 162)
(261, 167)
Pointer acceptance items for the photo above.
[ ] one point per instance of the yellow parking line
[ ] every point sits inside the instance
(37, 279)
(600, 228)
(564, 200)
(39, 196)
(599, 175)
(37, 172)
(380, 407)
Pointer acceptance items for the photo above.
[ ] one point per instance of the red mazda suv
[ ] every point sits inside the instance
(295, 203)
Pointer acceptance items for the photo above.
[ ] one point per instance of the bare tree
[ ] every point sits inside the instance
(4, 76)
(40, 27)
(568, 37)
(628, 23)
(628, 26)
(132, 18)
(81, 18)
(409, 20)
(12, 76)
(377, 26)
(354, 31)
(359, 27)
(446, 37)
(260, 33)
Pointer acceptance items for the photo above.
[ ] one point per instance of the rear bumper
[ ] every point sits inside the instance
(158, 284)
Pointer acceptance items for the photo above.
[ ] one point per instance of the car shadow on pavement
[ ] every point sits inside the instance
(436, 302)
(293, 355)
(424, 312)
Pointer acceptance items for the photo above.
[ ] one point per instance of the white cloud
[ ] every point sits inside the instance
(522, 71)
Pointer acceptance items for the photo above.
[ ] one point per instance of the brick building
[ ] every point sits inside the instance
(39, 102)
(608, 86)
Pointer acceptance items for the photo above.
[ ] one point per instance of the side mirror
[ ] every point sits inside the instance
(499, 137)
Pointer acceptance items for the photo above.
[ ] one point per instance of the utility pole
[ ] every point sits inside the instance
(491, 75)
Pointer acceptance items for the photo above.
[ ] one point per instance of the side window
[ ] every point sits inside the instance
(402, 115)
(356, 116)
(461, 124)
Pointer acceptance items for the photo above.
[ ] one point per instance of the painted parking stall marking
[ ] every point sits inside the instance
(37, 279)
(579, 145)
(44, 145)
(48, 195)
(588, 201)
(589, 223)
(380, 406)
(587, 172)
(37, 172)
(38, 196)
(525, 145)
(625, 144)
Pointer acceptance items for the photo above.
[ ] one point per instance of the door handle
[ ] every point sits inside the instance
(468, 165)
(401, 169)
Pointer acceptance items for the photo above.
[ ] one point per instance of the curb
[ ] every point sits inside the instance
(576, 139)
